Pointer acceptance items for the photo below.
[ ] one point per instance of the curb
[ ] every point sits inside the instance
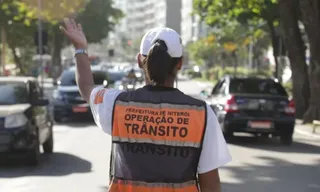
(306, 133)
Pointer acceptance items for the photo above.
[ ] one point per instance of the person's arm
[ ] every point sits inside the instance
(102, 101)
(210, 181)
(214, 154)
(84, 76)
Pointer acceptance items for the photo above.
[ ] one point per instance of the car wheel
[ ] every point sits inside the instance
(286, 139)
(60, 119)
(57, 119)
(34, 154)
(226, 132)
(48, 144)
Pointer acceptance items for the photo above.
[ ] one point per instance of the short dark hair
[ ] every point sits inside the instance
(159, 65)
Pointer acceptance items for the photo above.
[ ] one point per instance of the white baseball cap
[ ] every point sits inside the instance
(169, 36)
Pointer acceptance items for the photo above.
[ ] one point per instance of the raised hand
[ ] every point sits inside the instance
(74, 32)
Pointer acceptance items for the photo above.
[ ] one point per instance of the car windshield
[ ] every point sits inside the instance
(257, 86)
(68, 78)
(13, 93)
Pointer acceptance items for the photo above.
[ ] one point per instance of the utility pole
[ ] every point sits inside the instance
(3, 49)
(250, 54)
(40, 42)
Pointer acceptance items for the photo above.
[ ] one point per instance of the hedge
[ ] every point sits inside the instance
(216, 73)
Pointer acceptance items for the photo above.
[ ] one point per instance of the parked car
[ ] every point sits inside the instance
(68, 102)
(253, 105)
(25, 121)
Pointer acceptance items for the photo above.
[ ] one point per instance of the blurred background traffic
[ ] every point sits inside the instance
(255, 62)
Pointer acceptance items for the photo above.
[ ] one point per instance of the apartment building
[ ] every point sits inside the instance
(140, 16)
(192, 28)
(123, 6)
(143, 15)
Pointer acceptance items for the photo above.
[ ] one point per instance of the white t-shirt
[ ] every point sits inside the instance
(214, 152)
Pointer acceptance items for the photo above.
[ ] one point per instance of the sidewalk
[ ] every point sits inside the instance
(306, 130)
(204, 84)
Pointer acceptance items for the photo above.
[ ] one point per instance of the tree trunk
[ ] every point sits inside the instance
(310, 10)
(17, 59)
(274, 45)
(56, 53)
(296, 52)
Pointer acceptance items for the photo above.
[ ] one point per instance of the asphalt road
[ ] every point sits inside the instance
(81, 162)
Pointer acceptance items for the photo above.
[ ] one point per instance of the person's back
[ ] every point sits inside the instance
(162, 140)
(151, 128)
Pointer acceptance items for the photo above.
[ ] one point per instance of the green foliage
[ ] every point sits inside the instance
(98, 18)
(288, 87)
(201, 50)
(215, 73)
(192, 74)
(236, 24)
(19, 18)
(18, 23)
(251, 13)
(14, 10)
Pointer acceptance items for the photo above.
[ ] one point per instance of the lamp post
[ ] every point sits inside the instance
(3, 49)
(40, 42)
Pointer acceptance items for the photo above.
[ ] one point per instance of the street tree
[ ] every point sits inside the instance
(310, 11)
(201, 51)
(97, 17)
(265, 14)
(254, 14)
(289, 17)
(16, 22)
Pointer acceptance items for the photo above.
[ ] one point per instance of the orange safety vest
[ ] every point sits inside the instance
(157, 139)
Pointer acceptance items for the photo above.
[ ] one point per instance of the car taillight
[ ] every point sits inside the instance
(290, 108)
(231, 105)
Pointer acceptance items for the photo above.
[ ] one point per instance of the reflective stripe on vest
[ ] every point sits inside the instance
(139, 186)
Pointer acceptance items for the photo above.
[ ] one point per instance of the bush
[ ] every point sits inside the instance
(288, 87)
(192, 74)
(216, 73)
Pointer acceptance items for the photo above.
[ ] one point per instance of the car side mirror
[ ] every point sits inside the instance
(41, 102)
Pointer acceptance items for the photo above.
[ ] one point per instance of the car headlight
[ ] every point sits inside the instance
(121, 87)
(15, 120)
(105, 83)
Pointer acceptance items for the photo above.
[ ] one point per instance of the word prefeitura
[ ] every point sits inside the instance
(157, 113)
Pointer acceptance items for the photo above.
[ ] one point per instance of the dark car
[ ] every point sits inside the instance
(68, 103)
(25, 121)
(253, 105)
(115, 77)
